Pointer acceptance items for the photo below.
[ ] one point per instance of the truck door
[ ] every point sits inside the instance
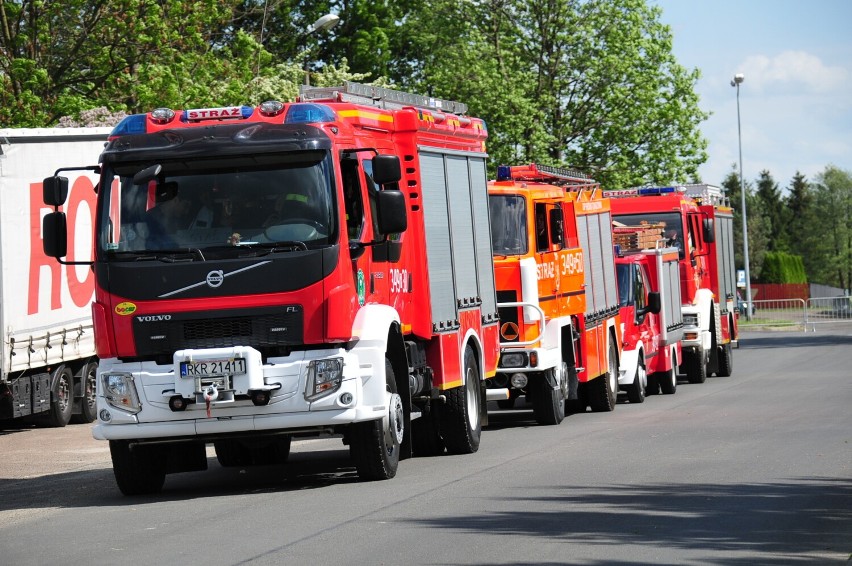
(369, 270)
(546, 260)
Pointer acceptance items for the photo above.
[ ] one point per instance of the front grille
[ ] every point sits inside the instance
(260, 328)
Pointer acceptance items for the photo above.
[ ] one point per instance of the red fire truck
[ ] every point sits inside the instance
(698, 222)
(651, 317)
(556, 287)
(285, 271)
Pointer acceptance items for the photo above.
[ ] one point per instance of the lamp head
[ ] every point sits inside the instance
(738, 79)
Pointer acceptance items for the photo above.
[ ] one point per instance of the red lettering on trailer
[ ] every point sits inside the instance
(81, 292)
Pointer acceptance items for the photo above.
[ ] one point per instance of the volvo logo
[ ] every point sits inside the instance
(215, 278)
(154, 318)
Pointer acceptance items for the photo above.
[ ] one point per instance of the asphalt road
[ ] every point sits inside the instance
(751, 469)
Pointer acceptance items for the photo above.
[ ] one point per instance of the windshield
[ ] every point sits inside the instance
(669, 222)
(508, 224)
(213, 203)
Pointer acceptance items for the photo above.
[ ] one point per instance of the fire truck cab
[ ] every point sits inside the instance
(697, 221)
(287, 271)
(555, 272)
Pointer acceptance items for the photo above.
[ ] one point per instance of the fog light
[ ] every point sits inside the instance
(346, 398)
(177, 403)
(105, 415)
(519, 380)
(260, 398)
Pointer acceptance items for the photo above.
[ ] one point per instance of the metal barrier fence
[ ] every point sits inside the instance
(796, 314)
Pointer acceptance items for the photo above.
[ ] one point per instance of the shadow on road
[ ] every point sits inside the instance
(814, 514)
(761, 340)
(305, 470)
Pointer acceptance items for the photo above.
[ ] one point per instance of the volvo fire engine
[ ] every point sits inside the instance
(698, 221)
(556, 287)
(286, 271)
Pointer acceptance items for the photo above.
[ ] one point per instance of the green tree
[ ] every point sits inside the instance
(769, 200)
(833, 207)
(758, 225)
(800, 223)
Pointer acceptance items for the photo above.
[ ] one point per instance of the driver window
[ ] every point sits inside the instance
(352, 198)
(639, 290)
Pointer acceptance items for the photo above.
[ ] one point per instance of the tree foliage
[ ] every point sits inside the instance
(832, 192)
(757, 221)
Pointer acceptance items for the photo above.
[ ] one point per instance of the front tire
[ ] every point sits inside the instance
(726, 361)
(636, 390)
(138, 469)
(461, 423)
(374, 445)
(549, 403)
(696, 367)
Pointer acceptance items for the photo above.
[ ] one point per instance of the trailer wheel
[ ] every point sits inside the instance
(604, 388)
(89, 401)
(696, 367)
(726, 360)
(636, 390)
(374, 445)
(549, 403)
(461, 424)
(61, 396)
(138, 469)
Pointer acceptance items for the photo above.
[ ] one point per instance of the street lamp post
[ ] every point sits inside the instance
(325, 23)
(736, 82)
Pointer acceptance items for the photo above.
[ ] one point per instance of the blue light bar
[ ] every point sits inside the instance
(133, 124)
(647, 191)
(504, 173)
(306, 113)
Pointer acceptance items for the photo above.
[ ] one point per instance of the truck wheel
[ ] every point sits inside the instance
(549, 403)
(726, 360)
(668, 381)
(426, 435)
(636, 390)
(374, 445)
(139, 469)
(232, 453)
(89, 401)
(461, 425)
(696, 368)
(604, 388)
(61, 397)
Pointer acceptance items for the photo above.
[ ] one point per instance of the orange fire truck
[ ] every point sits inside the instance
(551, 231)
(699, 223)
(287, 271)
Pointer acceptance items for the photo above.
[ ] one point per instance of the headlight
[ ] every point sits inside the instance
(324, 377)
(120, 391)
(513, 360)
(690, 319)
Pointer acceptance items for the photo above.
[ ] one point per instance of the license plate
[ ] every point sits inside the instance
(205, 368)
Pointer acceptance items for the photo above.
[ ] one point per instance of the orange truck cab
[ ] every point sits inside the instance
(556, 289)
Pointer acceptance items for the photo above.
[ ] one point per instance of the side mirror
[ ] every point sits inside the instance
(386, 169)
(654, 303)
(55, 229)
(709, 230)
(392, 217)
(54, 190)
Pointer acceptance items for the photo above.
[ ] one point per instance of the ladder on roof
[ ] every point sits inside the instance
(381, 97)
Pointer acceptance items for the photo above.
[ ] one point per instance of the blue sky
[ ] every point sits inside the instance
(796, 100)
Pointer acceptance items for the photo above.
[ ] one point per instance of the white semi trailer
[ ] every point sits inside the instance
(48, 355)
